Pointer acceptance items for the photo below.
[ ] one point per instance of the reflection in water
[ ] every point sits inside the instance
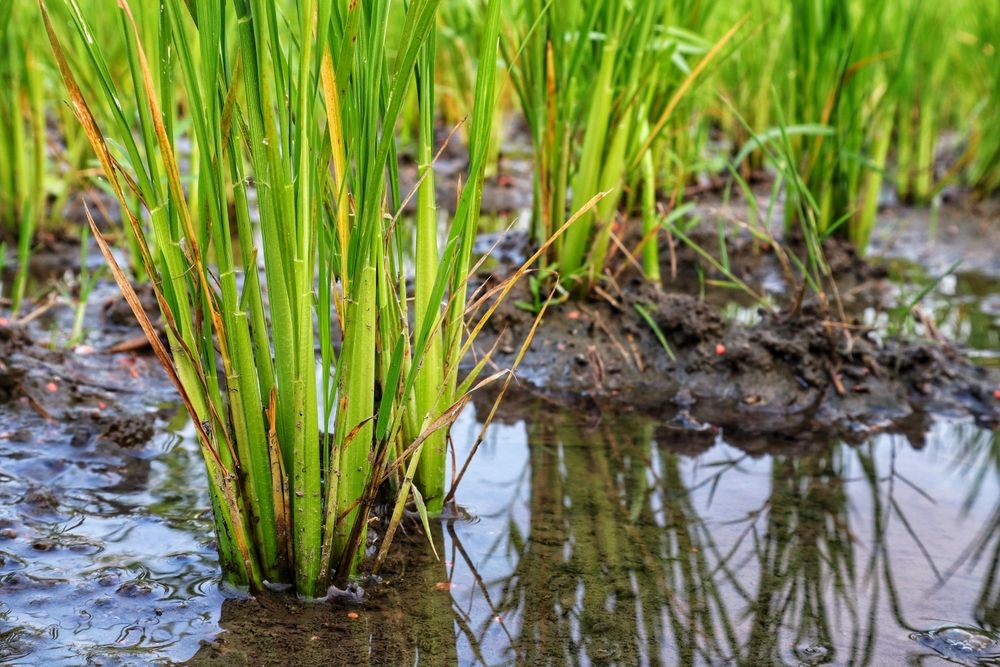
(965, 307)
(612, 547)
(979, 459)
(105, 552)
(605, 543)
(608, 543)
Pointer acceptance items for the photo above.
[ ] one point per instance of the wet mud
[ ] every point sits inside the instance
(793, 373)
(609, 541)
(395, 619)
(107, 551)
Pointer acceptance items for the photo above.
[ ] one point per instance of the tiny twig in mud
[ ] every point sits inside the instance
(838, 384)
(927, 320)
(597, 364)
(599, 291)
(672, 247)
(639, 363)
(833, 324)
(599, 321)
(799, 297)
(129, 345)
(50, 301)
(33, 402)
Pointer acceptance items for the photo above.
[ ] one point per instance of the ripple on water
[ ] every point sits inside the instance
(105, 553)
(813, 654)
(965, 645)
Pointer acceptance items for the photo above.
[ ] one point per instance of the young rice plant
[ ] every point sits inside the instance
(295, 103)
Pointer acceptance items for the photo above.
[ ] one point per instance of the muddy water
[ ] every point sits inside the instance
(105, 552)
(610, 542)
(597, 540)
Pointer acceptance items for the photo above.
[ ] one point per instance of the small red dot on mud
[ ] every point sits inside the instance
(505, 181)
(573, 314)
(443, 585)
(353, 615)
(720, 350)
(4, 321)
(102, 405)
(996, 394)
(52, 387)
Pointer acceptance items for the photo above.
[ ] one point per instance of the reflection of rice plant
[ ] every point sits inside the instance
(616, 564)
(805, 553)
(621, 564)
(807, 550)
(979, 458)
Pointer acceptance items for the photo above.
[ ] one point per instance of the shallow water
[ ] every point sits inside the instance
(608, 543)
(621, 544)
(106, 553)
(597, 541)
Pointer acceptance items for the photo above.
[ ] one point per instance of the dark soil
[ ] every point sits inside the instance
(405, 614)
(795, 374)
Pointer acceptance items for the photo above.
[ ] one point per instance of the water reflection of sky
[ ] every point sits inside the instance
(593, 543)
(881, 542)
(113, 562)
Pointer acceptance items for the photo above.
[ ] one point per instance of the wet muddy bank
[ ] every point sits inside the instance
(394, 619)
(794, 373)
(700, 352)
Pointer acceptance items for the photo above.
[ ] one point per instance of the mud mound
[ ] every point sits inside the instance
(11, 339)
(793, 374)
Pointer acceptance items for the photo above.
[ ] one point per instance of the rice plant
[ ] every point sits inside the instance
(598, 85)
(22, 138)
(85, 284)
(984, 172)
(460, 25)
(826, 86)
(918, 112)
(838, 80)
(296, 104)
